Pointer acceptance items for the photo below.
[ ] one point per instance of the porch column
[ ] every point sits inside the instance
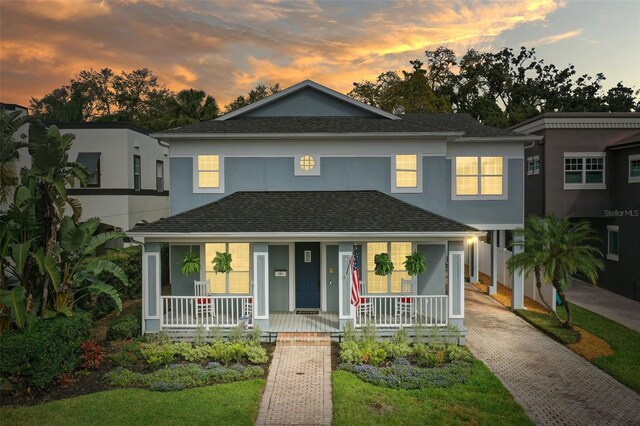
(261, 285)
(517, 298)
(493, 288)
(151, 308)
(456, 284)
(346, 311)
(473, 262)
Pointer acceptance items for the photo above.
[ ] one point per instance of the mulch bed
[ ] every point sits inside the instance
(589, 346)
(89, 381)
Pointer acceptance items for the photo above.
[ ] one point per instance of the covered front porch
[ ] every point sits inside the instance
(293, 275)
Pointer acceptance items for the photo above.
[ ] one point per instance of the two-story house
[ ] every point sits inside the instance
(129, 181)
(293, 185)
(587, 166)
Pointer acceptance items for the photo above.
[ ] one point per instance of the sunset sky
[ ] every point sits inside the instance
(226, 48)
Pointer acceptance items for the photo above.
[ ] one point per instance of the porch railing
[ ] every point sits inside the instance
(206, 311)
(403, 311)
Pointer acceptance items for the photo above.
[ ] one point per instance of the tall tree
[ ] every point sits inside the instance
(10, 143)
(554, 249)
(261, 91)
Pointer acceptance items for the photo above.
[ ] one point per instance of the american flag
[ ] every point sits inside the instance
(355, 278)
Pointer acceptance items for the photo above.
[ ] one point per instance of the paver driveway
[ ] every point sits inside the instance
(554, 385)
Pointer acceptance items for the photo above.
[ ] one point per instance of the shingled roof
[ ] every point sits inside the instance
(305, 212)
(460, 122)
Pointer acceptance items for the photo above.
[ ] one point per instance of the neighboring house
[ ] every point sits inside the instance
(289, 185)
(129, 180)
(588, 167)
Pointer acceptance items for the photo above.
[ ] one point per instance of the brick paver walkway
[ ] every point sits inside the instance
(554, 385)
(606, 303)
(298, 390)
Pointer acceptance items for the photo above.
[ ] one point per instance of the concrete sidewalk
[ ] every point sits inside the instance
(554, 385)
(606, 303)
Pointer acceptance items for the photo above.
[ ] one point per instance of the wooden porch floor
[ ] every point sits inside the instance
(324, 322)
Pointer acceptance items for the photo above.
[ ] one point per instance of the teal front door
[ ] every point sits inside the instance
(308, 275)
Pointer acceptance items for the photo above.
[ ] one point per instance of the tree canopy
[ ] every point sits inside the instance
(497, 88)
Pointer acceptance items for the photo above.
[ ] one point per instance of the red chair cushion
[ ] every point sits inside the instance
(405, 299)
(251, 300)
(363, 300)
(203, 300)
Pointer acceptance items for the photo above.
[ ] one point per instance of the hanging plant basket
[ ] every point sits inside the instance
(222, 263)
(190, 263)
(384, 265)
(415, 264)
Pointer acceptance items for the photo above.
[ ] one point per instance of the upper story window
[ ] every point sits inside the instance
(634, 168)
(235, 281)
(91, 160)
(307, 162)
(613, 242)
(406, 174)
(533, 165)
(584, 170)
(398, 251)
(479, 176)
(208, 171)
(137, 173)
(159, 176)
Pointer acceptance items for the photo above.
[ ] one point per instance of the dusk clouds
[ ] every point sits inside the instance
(226, 48)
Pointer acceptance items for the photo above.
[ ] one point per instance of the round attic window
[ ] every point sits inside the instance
(307, 162)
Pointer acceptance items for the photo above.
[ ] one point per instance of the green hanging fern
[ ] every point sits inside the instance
(415, 264)
(384, 265)
(190, 263)
(222, 263)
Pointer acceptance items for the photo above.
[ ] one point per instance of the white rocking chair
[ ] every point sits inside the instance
(406, 306)
(365, 308)
(204, 301)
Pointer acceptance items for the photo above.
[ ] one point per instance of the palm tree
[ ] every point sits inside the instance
(10, 123)
(191, 106)
(555, 249)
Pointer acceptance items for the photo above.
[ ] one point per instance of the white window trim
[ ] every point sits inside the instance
(505, 179)
(405, 190)
(583, 155)
(634, 179)
(536, 160)
(299, 171)
(529, 163)
(145, 278)
(451, 284)
(613, 228)
(196, 185)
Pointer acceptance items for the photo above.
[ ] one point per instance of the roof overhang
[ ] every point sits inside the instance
(299, 236)
(579, 121)
(515, 139)
(367, 135)
(302, 85)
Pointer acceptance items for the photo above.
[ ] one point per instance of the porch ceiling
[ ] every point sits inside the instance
(321, 212)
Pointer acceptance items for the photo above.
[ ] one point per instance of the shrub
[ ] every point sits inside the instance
(177, 376)
(257, 354)
(402, 375)
(157, 355)
(37, 356)
(457, 353)
(126, 354)
(124, 327)
(92, 354)
(130, 260)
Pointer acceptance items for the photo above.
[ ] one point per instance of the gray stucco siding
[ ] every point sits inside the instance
(181, 285)
(333, 280)
(309, 103)
(278, 286)
(432, 282)
(353, 173)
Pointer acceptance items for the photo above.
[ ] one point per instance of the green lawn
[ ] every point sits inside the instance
(550, 325)
(481, 401)
(226, 404)
(624, 365)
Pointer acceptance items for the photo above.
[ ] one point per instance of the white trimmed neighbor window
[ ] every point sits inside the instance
(398, 251)
(613, 242)
(479, 177)
(406, 173)
(234, 282)
(584, 170)
(533, 165)
(634, 168)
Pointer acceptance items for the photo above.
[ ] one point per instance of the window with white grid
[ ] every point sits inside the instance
(583, 171)
(208, 171)
(479, 176)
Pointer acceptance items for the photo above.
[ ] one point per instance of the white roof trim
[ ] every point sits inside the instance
(307, 135)
(302, 85)
(523, 138)
(296, 236)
